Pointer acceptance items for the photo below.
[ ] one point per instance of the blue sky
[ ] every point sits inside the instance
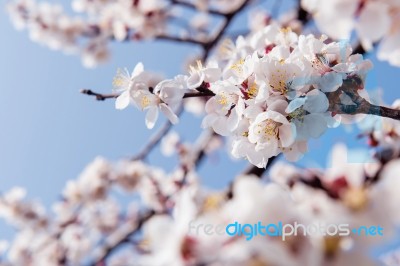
(49, 132)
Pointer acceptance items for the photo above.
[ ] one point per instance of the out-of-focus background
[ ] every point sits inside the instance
(49, 131)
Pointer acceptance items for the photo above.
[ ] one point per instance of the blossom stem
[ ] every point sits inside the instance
(99, 96)
(178, 39)
(102, 97)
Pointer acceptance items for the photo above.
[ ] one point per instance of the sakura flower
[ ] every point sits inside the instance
(309, 114)
(278, 75)
(200, 74)
(135, 88)
(269, 131)
(126, 83)
(225, 109)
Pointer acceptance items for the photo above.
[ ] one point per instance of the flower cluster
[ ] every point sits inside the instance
(373, 21)
(358, 194)
(50, 25)
(88, 217)
(87, 214)
(271, 96)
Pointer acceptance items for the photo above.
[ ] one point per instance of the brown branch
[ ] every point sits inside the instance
(179, 39)
(350, 87)
(228, 19)
(365, 107)
(108, 250)
(102, 97)
(99, 96)
(192, 6)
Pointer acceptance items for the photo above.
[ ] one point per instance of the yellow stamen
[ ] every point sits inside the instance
(145, 102)
(253, 90)
(223, 100)
(238, 66)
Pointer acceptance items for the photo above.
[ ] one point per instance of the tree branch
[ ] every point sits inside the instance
(108, 249)
(350, 87)
(365, 107)
(192, 6)
(178, 39)
(99, 96)
(228, 19)
(102, 97)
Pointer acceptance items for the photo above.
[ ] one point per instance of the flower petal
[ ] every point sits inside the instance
(122, 100)
(167, 111)
(151, 117)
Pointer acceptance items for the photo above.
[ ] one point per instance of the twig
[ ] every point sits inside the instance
(109, 249)
(192, 6)
(102, 97)
(179, 39)
(228, 19)
(99, 96)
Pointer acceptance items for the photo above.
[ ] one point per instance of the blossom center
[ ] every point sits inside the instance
(238, 66)
(268, 129)
(145, 102)
(278, 81)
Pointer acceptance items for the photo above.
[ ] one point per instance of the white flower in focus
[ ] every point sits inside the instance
(224, 110)
(210, 73)
(125, 83)
(271, 130)
(309, 114)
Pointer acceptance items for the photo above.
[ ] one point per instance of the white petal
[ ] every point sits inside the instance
(316, 102)
(139, 68)
(151, 117)
(167, 111)
(330, 82)
(287, 135)
(195, 80)
(296, 103)
(122, 100)
(212, 74)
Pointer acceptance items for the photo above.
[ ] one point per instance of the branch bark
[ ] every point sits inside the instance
(108, 249)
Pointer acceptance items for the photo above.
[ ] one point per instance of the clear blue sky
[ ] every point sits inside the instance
(49, 132)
